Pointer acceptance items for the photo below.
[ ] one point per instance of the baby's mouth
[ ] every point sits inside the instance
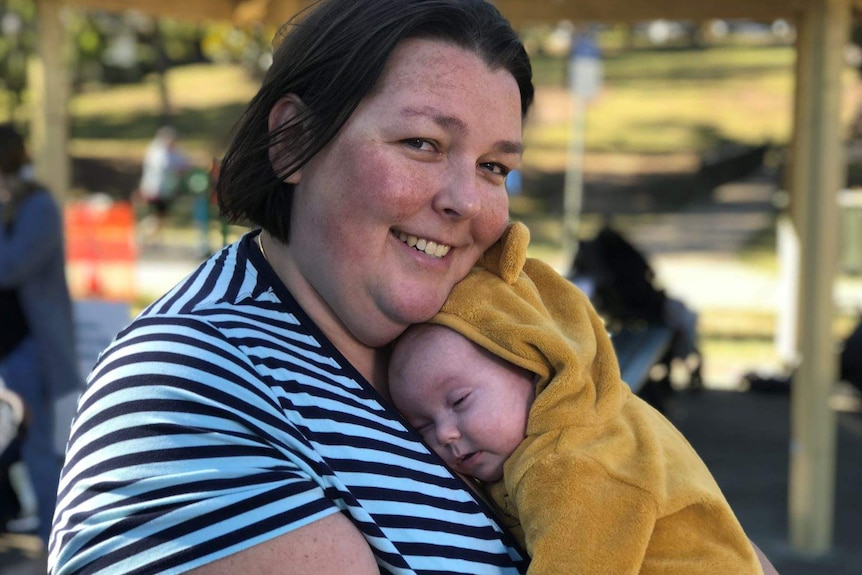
(428, 247)
(466, 459)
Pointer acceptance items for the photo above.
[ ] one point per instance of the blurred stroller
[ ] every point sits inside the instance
(18, 506)
(622, 286)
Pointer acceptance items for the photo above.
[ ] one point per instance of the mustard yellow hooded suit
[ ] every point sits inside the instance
(602, 483)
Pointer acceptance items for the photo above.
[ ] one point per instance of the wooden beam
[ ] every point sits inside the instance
(521, 12)
(240, 12)
(192, 10)
(817, 175)
(270, 12)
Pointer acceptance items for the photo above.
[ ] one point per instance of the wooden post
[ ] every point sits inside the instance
(817, 175)
(49, 89)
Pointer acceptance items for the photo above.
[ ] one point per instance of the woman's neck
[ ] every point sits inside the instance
(372, 363)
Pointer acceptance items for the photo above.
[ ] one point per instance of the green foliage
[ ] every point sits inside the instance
(224, 43)
(181, 41)
(123, 47)
(16, 43)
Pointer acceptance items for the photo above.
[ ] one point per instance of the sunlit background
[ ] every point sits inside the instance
(682, 146)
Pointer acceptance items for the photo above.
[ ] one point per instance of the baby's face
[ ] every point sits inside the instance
(469, 405)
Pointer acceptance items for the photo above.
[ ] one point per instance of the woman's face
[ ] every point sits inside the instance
(398, 207)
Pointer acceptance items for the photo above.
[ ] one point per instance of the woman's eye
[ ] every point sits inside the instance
(420, 144)
(495, 168)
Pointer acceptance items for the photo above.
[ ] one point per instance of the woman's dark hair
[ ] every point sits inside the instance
(331, 57)
(13, 153)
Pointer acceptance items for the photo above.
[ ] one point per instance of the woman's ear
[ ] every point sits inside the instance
(286, 112)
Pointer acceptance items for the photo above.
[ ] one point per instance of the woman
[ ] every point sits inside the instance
(242, 422)
(37, 352)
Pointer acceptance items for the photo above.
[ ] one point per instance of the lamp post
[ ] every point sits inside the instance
(15, 64)
(585, 77)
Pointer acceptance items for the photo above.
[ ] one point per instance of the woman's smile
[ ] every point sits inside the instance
(430, 247)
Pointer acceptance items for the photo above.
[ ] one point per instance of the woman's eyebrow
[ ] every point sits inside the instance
(509, 147)
(438, 117)
(457, 124)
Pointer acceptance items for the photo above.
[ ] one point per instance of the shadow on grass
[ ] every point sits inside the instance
(608, 193)
(214, 125)
(645, 199)
(115, 177)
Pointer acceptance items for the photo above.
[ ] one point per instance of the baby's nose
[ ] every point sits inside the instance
(447, 433)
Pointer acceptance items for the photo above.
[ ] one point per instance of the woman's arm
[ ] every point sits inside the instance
(330, 546)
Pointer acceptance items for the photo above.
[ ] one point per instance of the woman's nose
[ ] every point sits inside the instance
(460, 196)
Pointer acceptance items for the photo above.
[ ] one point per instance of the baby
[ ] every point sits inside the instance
(515, 382)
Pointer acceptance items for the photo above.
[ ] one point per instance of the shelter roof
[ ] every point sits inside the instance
(519, 12)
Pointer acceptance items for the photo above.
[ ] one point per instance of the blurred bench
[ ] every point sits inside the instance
(639, 346)
(638, 349)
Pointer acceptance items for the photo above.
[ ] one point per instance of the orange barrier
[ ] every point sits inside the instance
(101, 252)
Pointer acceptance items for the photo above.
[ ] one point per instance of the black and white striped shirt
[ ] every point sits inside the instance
(222, 417)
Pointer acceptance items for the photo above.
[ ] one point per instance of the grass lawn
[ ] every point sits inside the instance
(672, 101)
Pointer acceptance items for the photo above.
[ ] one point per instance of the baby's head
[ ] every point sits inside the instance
(469, 405)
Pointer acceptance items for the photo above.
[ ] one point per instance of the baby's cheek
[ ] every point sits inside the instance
(510, 432)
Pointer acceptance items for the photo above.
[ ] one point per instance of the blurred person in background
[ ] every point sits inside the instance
(37, 355)
(161, 177)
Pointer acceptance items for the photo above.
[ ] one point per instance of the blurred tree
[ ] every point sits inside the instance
(252, 48)
(16, 43)
(118, 47)
(89, 41)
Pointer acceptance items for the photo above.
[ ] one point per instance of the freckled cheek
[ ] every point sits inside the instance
(378, 182)
(494, 218)
(353, 214)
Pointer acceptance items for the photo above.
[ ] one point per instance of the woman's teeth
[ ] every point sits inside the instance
(423, 245)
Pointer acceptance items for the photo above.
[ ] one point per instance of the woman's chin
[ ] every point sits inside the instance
(422, 305)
